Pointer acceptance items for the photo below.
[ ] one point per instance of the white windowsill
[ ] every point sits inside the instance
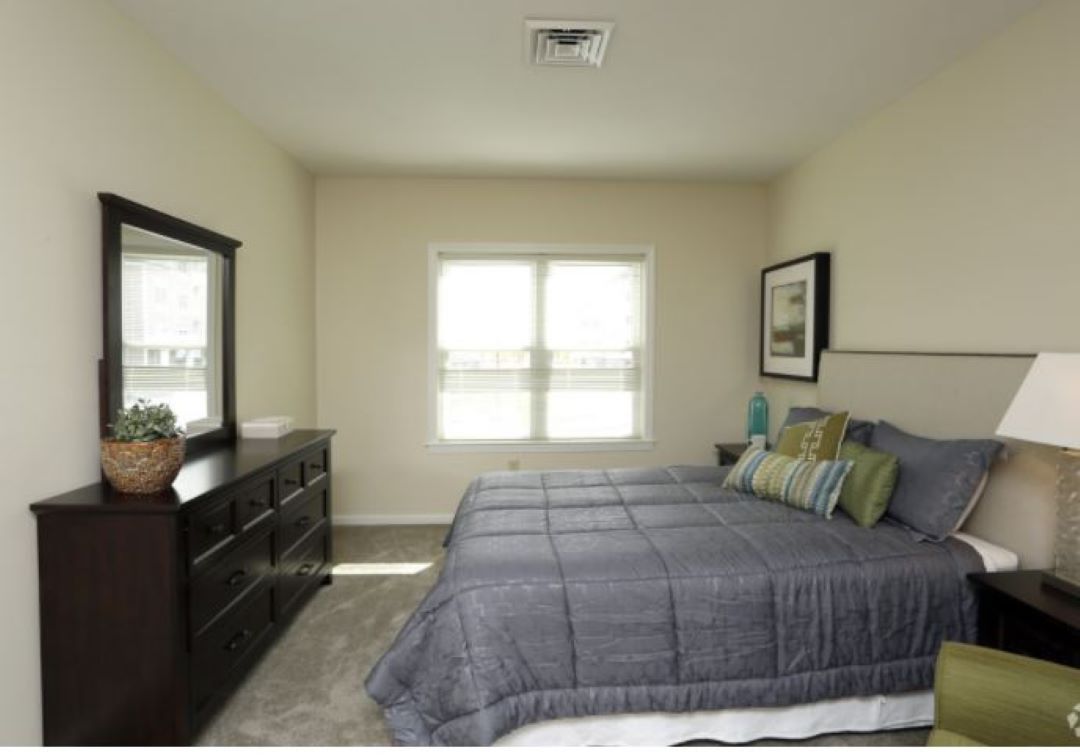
(538, 446)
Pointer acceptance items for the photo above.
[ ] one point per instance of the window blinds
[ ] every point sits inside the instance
(540, 347)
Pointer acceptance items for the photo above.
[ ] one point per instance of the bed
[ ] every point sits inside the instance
(592, 592)
(652, 606)
(867, 713)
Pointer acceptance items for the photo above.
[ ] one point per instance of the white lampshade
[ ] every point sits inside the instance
(1046, 409)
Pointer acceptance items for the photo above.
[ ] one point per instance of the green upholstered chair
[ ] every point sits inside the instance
(987, 697)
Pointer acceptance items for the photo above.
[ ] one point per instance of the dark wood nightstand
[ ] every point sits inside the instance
(729, 453)
(1018, 614)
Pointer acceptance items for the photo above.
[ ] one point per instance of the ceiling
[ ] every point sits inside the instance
(700, 89)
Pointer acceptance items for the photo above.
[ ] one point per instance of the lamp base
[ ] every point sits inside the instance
(1063, 581)
(1065, 575)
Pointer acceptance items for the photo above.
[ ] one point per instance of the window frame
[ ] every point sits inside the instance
(645, 443)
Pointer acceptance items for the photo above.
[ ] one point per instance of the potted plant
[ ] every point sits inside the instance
(146, 449)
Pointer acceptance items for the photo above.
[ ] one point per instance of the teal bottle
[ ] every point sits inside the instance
(757, 420)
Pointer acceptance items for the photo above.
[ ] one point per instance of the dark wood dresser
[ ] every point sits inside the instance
(153, 608)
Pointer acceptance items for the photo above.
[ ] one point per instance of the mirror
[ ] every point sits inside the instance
(168, 318)
(171, 327)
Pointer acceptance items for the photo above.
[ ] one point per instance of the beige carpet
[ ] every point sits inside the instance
(308, 689)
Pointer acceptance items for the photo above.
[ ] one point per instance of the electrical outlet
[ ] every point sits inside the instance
(513, 465)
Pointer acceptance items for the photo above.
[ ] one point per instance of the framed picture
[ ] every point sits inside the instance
(795, 317)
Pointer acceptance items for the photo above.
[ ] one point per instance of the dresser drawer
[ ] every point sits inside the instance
(301, 568)
(255, 503)
(227, 642)
(209, 528)
(290, 481)
(302, 517)
(226, 582)
(316, 467)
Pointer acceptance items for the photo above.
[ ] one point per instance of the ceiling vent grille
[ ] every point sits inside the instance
(579, 44)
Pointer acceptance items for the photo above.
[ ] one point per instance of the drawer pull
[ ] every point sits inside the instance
(236, 578)
(257, 503)
(294, 483)
(303, 521)
(238, 639)
(305, 570)
(217, 529)
(317, 467)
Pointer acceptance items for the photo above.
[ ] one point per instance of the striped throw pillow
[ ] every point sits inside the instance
(808, 485)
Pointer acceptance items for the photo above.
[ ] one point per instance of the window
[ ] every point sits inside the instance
(546, 346)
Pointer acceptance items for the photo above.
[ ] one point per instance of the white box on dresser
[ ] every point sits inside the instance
(266, 427)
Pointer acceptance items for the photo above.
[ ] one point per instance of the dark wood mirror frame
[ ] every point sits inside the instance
(116, 212)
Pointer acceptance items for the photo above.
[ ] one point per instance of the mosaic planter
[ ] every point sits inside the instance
(142, 467)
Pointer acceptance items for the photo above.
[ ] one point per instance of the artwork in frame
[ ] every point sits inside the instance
(795, 317)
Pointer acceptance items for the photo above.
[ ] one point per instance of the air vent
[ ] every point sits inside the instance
(567, 43)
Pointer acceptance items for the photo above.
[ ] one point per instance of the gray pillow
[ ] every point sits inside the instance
(858, 430)
(937, 480)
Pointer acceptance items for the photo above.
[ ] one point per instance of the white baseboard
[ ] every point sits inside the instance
(381, 520)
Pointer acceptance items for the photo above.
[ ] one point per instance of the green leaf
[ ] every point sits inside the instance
(143, 421)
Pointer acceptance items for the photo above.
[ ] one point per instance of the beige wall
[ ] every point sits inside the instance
(954, 214)
(91, 104)
(371, 303)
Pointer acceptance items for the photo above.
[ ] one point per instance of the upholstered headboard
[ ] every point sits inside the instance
(957, 396)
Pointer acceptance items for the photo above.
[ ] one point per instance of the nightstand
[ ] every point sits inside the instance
(729, 453)
(1018, 614)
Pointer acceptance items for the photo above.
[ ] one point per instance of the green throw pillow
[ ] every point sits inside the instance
(869, 486)
(814, 441)
(812, 486)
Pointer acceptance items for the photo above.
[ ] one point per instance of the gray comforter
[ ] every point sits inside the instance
(589, 592)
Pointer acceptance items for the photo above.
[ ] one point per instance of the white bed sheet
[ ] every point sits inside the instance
(873, 713)
(995, 558)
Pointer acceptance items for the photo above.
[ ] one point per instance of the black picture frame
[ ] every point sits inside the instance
(812, 271)
(116, 212)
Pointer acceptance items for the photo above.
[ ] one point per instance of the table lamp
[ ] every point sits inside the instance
(1046, 410)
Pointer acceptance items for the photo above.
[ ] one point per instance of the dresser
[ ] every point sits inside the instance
(153, 608)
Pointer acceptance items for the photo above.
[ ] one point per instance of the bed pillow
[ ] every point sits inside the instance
(812, 486)
(975, 496)
(870, 484)
(817, 440)
(858, 430)
(938, 478)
